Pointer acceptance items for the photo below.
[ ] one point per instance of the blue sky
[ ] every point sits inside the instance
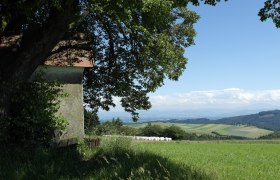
(234, 65)
(233, 49)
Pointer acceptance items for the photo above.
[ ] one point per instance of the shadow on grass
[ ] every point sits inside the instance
(68, 163)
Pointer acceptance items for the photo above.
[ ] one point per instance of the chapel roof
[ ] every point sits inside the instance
(74, 52)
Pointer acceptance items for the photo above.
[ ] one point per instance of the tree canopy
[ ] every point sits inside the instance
(271, 10)
(135, 44)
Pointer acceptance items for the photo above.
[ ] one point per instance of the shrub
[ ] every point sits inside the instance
(174, 132)
(114, 127)
(91, 121)
(151, 130)
(275, 135)
(34, 116)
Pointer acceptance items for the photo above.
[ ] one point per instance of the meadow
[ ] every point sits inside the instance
(113, 159)
(223, 129)
(223, 159)
(121, 158)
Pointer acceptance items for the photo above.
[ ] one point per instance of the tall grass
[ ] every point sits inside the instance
(136, 164)
(114, 159)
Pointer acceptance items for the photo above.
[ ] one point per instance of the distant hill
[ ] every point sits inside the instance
(214, 129)
(267, 120)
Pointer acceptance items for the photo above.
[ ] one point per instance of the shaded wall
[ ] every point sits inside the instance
(71, 107)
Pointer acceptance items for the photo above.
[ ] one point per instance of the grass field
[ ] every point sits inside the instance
(114, 159)
(240, 130)
(122, 158)
(223, 159)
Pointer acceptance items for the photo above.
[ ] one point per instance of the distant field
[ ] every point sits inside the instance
(245, 131)
(257, 160)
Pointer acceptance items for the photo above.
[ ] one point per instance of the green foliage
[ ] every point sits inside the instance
(152, 130)
(91, 120)
(271, 10)
(34, 116)
(275, 135)
(114, 127)
(137, 44)
(213, 136)
(174, 132)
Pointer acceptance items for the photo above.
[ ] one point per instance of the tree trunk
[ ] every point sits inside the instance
(4, 102)
(35, 47)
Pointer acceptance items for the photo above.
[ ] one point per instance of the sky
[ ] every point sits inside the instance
(233, 68)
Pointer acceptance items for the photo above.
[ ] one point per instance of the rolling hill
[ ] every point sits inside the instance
(266, 120)
(222, 129)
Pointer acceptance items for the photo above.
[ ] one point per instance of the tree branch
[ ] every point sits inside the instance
(36, 48)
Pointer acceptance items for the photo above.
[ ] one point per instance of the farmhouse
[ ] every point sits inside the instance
(66, 64)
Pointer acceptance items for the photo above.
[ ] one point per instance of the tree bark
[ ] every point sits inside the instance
(35, 47)
(4, 102)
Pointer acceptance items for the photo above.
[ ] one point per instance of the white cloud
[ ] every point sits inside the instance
(227, 98)
(230, 99)
(211, 104)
